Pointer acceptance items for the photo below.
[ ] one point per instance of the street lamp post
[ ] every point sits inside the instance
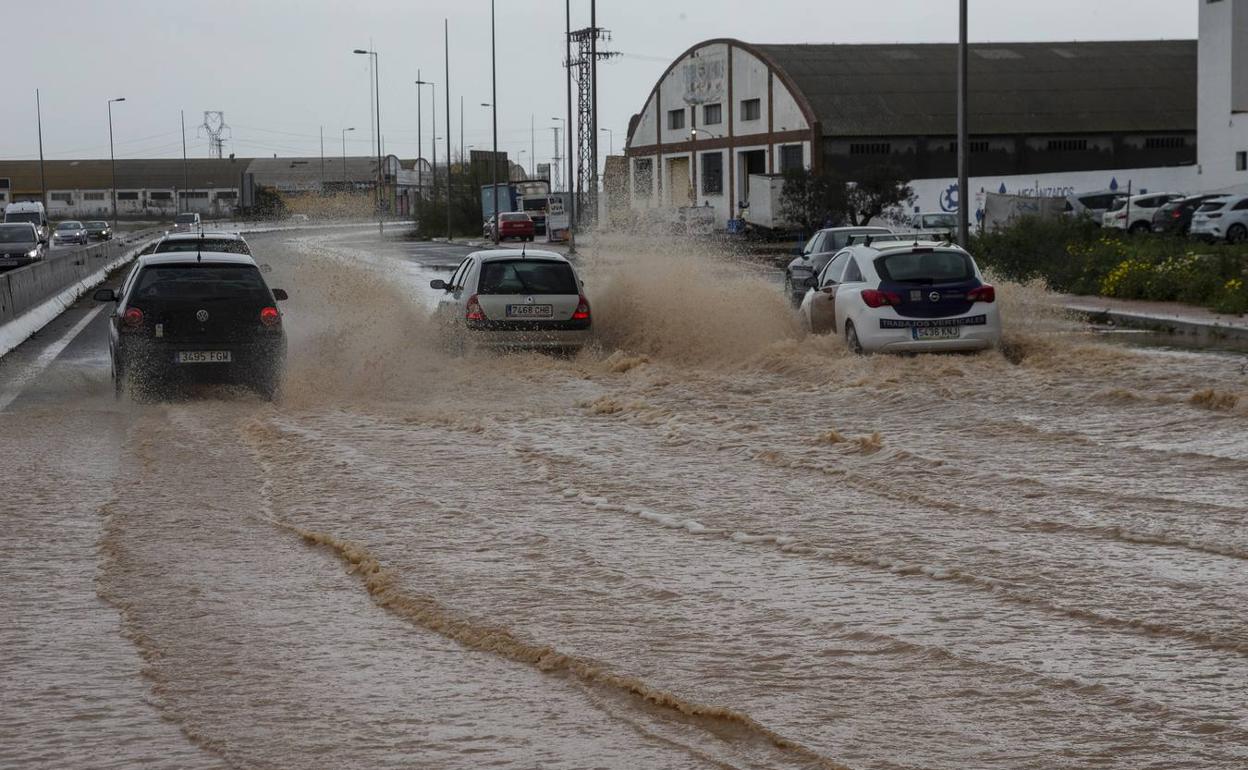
(420, 148)
(611, 138)
(112, 159)
(344, 155)
(377, 105)
(964, 159)
(568, 164)
(494, 114)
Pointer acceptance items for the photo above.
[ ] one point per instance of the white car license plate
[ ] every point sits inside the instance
(204, 356)
(936, 332)
(530, 311)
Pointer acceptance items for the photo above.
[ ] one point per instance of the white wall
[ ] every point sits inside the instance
(143, 205)
(749, 81)
(1223, 76)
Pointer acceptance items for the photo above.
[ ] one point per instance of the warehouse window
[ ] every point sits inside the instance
(224, 195)
(675, 119)
(1067, 145)
(62, 197)
(1241, 161)
(975, 145)
(4, 183)
(643, 177)
(1164, 143)
(198, 195)
(870, 148)
(127, 196)
(791, 158)
(95, 196)
(712, 114)
(751, 109)
(713, 173)
(160, 196)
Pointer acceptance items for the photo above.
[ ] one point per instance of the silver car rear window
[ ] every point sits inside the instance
(527, 276)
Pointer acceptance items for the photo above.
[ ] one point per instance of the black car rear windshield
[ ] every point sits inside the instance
(527, 276)
(219, 245)
(202, 282)
(17, 234)
(925, 267)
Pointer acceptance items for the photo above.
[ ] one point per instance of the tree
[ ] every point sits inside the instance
(877, 189)
(809, 199)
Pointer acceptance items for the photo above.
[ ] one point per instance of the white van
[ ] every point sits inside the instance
(29, 211)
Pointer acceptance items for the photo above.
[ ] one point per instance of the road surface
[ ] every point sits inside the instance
(708, 543)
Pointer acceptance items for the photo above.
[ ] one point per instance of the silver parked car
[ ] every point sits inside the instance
(815, 254)
(70, 231)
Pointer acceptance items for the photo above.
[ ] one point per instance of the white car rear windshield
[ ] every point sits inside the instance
(527, 276)
(925, 267)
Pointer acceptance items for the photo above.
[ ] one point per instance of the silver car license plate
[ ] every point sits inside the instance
(936, 332)
(203, 357)
(530, 311)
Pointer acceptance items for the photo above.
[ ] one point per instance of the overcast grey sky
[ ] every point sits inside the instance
(281, 69)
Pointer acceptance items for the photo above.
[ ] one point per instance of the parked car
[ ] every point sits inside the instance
(70, 231)
(1092, 205)
(222, 243)
(19, 244)
(199, 317)
(1140, 210)
(903, 296)
(186, 223)
(1222, 218)
(99, 230)
(515, 224)
(811, 258)
(1175, 217)
(934, 222)
(513, 298)
(32, 212)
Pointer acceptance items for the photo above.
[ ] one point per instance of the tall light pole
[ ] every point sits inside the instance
(567, 40)
(610, 138)
(43, 185)
(494, 114)
(185, 174)
(377, 105)
(964, 160)
(112, 159)
(344, 156)
(446, 52)
(420, 146)
(567, 165)
(520, 159)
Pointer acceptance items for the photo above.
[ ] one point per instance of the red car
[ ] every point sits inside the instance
(516, 224)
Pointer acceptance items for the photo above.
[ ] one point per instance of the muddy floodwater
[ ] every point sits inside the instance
(706, 543)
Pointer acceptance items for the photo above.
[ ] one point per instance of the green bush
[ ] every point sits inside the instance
(1077, 257)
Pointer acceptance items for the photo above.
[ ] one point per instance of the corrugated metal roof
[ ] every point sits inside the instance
(1015, 88)
(201, 173)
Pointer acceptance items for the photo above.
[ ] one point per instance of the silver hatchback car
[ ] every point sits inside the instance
(514, 298)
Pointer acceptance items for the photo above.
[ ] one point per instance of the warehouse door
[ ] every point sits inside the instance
(678, 183)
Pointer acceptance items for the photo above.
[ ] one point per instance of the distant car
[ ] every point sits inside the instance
(934, 222)
(98, 230)
(32, 212)
(1223, 218)
(1092, 205)
(1175, 217)
(70, 231)
(1140, 210)
(19, 244)
(186, 223)
(300, 218)
(223, 243)
(515, 224)
(196, 317)
(904, 296)
(511, 298)
(815, 254)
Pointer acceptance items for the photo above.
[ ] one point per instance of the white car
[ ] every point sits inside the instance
(514, 298)
(1222, 218)
(1140, 210)
(904, 296)
(934, 222)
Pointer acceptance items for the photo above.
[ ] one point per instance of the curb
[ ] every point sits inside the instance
(1203, 331)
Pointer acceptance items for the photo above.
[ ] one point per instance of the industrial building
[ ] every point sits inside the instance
(728, 118)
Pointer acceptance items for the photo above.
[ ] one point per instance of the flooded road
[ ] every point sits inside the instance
(706, 543)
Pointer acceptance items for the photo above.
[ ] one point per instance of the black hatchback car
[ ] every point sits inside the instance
(205, 317)
(1176, 216)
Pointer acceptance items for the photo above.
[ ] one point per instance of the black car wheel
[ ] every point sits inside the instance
(1139, 227)
(851, 338)
(1237, 234)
